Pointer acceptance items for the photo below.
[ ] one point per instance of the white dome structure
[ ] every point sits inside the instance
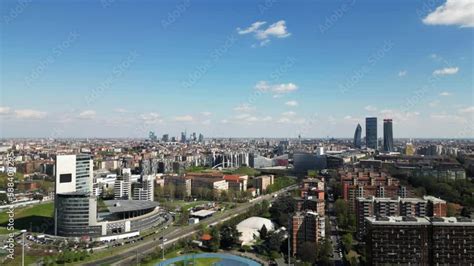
(249, 229)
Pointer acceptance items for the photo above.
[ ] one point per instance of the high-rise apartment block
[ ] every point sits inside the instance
(401, 240)
(306, 227)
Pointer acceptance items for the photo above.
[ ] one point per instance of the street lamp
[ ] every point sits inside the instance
(23, 247)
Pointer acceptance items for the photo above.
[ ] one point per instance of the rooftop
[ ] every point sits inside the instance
(115, 206)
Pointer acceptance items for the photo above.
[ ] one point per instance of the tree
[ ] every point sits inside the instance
(325, 252)
(274, 241)
(347, 241)
(229, 236)
(169, 191)
(308, 252)
(263, 232)
(180, 192)
(214, 243)
(159, 193)
(281, 210)
(184, 218)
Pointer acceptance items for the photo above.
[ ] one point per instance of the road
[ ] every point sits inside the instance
(129, 256)
(335, 238)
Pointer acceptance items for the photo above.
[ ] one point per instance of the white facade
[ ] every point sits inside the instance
(65, 166)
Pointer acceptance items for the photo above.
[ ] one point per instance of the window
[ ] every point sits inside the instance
(65, 178)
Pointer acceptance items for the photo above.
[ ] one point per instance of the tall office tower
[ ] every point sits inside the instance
(183, 137)
(201, 138)
(75, 208)
(358, 137)
(387, 135)
(371, 132)
(152, 136)
(165, 138)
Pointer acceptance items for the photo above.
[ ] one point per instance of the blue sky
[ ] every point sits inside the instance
(266, 68)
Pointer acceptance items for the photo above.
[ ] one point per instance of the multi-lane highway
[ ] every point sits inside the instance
(172, 235)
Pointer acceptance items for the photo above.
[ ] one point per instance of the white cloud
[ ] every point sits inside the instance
(445, 93)
(446, 71)
(434, 103)
(87, 114)
(184, 118)
(370, 108)
(242, 116)
(279, 88)
(352, 119)
(206, 122)
(151, 118)
(244, 108)
(453, 12)
(292, 103)
(120, 110)
(289, 113)
(251, 118)
(402, 73)
(29, 114)
(206, 113)
(275, 30)
(253, 28)
(4, 110)
(467, 110)
(397, 115)
(448, 117)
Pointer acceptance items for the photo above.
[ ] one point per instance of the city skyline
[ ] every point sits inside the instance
(312, 69)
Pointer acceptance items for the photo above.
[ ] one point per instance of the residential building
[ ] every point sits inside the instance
(306, 227)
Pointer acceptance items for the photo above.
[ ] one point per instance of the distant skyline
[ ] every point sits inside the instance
(114, 68)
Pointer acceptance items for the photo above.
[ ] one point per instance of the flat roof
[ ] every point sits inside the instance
(448, 221)
(115, 206)
(398, 220)
(203, 213)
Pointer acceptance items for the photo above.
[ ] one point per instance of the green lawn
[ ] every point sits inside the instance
(37, 217)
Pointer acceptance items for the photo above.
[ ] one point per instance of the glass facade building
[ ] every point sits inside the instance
(358, 137)
(388, 135)
(371, 132)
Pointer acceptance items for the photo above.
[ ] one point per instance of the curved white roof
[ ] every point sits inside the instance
(250, 227)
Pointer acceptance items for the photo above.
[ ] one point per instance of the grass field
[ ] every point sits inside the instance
(38, 218)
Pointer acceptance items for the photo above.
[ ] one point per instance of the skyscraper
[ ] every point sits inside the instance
(358, 136)
(371, 132)
(387, 135)
(75, 207)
